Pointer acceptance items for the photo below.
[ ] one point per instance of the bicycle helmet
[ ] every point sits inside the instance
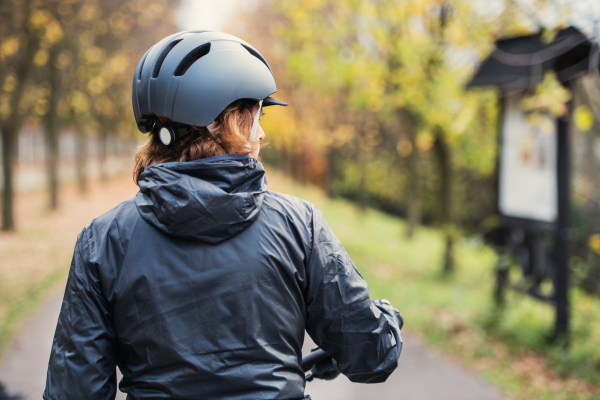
(191, 77)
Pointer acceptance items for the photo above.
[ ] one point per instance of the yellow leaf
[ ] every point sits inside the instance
(548, 35)
(89, 12)
(78, 102)
(94, 55)
(424, 141)
(41, 107)
(404, 147)
(54, 32)
(96, 85)
(550, 96)
(39, 18)
(10, 83)
(594, 243)
(64, 59)
(584, 120)
(41, 57)
(9, 47)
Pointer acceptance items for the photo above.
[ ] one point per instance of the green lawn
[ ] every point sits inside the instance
(19, 307)
(509, 348)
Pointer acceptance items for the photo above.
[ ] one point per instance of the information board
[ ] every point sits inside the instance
(528, 174)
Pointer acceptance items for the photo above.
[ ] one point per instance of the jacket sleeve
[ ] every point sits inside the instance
(83, 358)
(362, 337)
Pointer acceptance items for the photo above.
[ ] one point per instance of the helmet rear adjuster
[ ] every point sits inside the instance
(168, 134)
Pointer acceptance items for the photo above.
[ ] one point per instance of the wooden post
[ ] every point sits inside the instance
(562, 249)
(501, 270)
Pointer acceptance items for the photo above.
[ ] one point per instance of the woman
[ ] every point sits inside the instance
(201, 286)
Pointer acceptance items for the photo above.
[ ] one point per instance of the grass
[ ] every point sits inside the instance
(28, 301)
(509, 347)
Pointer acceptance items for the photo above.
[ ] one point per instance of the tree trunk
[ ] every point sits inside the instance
(301, 166)
(449, 254)
(52, 131)
(442, 152)
(8, 153)
(11, 127)
(103, 153)
(332, 157)
(414, 208)
(362, 196)
(81, 160)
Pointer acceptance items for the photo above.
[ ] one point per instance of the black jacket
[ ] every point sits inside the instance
(201, 287)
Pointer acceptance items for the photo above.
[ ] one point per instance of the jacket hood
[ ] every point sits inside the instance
(209, 200)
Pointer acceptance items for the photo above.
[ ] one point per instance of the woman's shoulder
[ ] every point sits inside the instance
(121, 214)
(288, 205)
(114, 225)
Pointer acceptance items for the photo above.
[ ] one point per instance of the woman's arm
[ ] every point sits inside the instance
(83, 359)
(362, 337)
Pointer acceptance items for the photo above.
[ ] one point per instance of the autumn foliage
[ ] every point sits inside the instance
(70, 63)
(380, 112)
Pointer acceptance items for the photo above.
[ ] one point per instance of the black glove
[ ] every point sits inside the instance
(323, 370)
(323, 367)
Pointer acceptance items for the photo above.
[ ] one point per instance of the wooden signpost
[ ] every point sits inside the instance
(534, 165)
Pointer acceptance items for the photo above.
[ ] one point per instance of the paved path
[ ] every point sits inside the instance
(422, 375)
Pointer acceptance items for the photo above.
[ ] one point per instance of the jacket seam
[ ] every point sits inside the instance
(172, 222)
(312, 234)
(88, 261)
(247, 198)
(89, 245)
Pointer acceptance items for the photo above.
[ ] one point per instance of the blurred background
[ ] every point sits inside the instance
(384, 133)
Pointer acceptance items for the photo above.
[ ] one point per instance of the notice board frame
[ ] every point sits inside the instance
(560, 228)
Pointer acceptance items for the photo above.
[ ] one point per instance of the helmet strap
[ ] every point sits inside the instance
(255, 122)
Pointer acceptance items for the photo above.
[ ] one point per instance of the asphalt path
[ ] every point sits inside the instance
(422, 374)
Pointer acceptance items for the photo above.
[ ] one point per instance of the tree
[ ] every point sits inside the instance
(70, 62)
(23, 26)
(400, 67)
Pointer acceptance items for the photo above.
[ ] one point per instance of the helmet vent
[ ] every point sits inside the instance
(142, 66)
(255, 54)
(162, 57)
(191, 58)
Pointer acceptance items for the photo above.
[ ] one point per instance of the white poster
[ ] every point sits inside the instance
(528, 176)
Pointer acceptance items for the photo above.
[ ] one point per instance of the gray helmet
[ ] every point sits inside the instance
(191, 77)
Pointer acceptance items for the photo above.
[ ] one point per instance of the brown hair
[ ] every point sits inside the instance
(229, 137)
